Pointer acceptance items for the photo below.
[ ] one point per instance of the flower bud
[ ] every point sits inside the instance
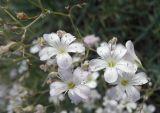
(28, 109)
(60, 33)
(22, 16)
(6, 48)
(39, 109)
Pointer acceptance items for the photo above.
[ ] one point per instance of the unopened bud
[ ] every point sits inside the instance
(39, 109)
(60, 33)
(6, 48)
(113, 41)
(22, 16)
(14, 46)
(28, 109)
(53, 74)
(85, 65)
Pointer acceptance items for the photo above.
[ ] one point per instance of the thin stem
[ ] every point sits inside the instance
(75, 28)
(12, 16)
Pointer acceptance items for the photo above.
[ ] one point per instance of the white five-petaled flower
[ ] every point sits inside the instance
(125, 85)
(60, 47)
(73, 82)
(91, 79)
(112, 60)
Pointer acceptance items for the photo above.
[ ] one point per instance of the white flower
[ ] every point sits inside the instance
(60, 48)
(147, 109)
(73, 82)
(126, 86)
(130, 106)
(91, 79)
(91, 40)
(56, 99)
(37, 45)
(90, 104)
(131, 52)
(112, 60)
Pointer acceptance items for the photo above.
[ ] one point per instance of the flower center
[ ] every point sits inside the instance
(111, 64)
(71, 85)
(61, 50)
(124, 82)
(89, 78)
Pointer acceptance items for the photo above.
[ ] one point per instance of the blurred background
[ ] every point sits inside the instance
(136, 20)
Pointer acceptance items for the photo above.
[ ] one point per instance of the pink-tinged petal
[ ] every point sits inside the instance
(64, 60)
(76, 48)
(74, 97)
(126, 66)
(139, 79)
(103, 51)
(67, 38)
(47, 52)
(97, 64)
(132, 93)
(57, 88)
(119, 51)
(110, 75)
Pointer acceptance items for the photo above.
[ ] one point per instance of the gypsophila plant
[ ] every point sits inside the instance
(71, 70)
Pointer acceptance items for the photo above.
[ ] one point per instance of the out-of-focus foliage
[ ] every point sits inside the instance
(136, 20)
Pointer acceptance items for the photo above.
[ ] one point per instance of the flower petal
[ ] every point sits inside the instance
(116, 93)
(132, 93)
(47, 52)
(110, 75)
(103, 51)
(126, 66)
(131, 51)
(65, 74)
(76, 48)
(97, 64)
(64, 60)
(74, 97)
(52, 39)
(139, 79)
(57, 88)
(82, 91)
(79, 75)
(67, 38)
(36, 48)
(119, 51)
(95, 75)
(91, 84)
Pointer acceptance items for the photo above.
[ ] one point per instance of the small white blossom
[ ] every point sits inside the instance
(60, 47)
(73, 82)
(56, 99)
(147, 109)
(126, 86)
(91, 40)
(91, 79)
(112, 61)
(90, 104)
(130, 106)
(37, 45)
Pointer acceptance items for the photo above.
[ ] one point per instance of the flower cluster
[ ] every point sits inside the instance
(78, 74)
